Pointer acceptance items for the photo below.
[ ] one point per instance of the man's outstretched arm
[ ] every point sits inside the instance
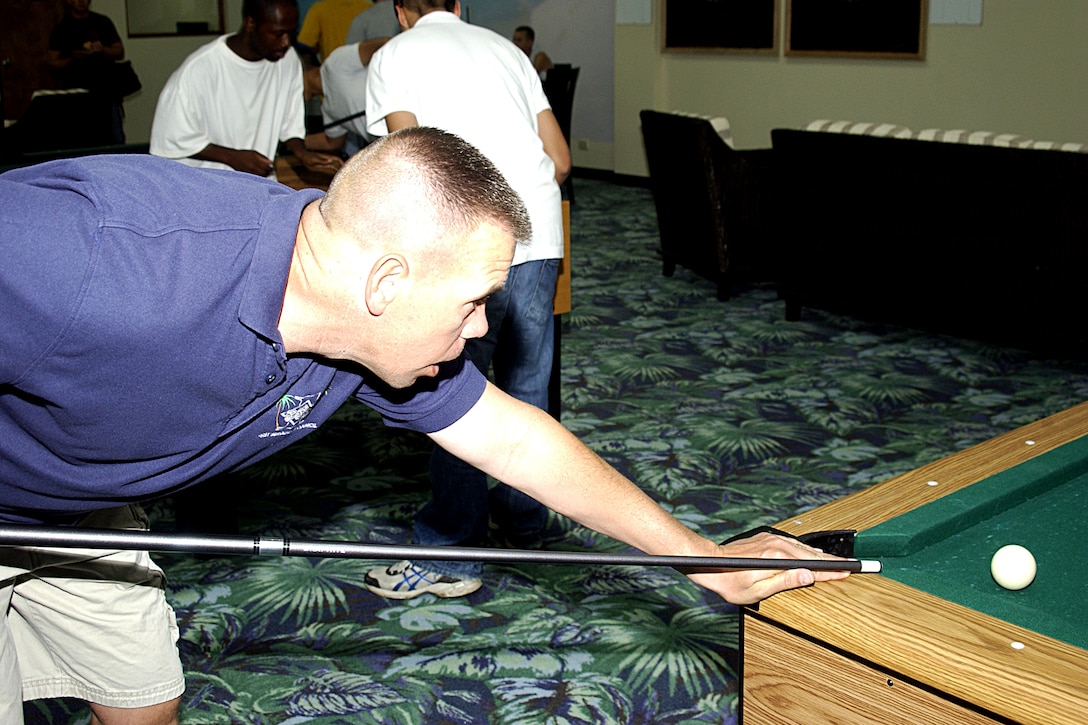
(526, 448)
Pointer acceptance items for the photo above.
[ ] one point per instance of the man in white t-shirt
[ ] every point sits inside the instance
(343, 98)
(233, 101)
(467, 80)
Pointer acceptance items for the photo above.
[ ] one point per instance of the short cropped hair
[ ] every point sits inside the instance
(529, 32)
(422, 172)
(259, 10)
(421, 6)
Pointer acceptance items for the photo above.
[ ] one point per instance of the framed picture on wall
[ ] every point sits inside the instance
(727, 26)
(188, 17)
(892, 29)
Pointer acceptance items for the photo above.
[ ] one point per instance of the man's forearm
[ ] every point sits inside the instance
(555, 144)
(115, 51)
(219, 154)
(248, 161)
(527, 449)
(313, 160)
(296, 146)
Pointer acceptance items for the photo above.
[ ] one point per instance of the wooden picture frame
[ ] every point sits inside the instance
(882, 29)
(720, 26)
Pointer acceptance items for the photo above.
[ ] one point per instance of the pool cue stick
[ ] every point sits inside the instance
(345, 119)
(60, 536)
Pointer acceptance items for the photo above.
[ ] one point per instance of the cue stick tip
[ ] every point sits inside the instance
(870, 567)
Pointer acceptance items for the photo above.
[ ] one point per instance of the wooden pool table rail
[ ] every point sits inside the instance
(894, 631)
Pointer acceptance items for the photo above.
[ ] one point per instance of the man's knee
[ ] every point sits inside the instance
(165, 713)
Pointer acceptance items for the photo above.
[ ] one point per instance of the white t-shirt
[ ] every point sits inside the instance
(343, 82)
(475, 83)
(216, 97)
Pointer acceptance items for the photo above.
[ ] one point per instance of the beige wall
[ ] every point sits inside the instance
(154, 60)
(1024, 70)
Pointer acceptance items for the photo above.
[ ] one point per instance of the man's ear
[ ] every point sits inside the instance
(387, 279)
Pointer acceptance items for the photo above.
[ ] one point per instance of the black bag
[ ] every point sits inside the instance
(119, 80)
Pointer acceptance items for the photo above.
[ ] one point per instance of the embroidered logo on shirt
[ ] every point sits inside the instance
(291, 413)
(291, 410)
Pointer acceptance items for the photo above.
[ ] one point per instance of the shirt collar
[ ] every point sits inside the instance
(262, 299)
(438, 16)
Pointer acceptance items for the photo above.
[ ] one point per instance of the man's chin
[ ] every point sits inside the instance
(408, 380)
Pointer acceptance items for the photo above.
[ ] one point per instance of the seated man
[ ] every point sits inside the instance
(235, 99)
(341, 82)
(524, 38)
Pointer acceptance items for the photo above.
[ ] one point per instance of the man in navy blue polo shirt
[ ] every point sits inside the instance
(164, 324)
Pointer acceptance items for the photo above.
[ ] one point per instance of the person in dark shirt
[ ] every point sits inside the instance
(83, 46)
(82, 50)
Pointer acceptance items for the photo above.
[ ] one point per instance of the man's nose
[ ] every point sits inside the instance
(477, 323)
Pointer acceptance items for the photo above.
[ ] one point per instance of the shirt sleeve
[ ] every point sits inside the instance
(385, 92)
(310, 34)
(294, 116)
(540, 100)
(179, 129)
(343, 74)
(430, 405)
(48, 247)
(331, 111)
(107, 32)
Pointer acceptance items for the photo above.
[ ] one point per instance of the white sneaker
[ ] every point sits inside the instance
(405, 580)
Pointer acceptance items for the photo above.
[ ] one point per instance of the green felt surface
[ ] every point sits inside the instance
(945, 547)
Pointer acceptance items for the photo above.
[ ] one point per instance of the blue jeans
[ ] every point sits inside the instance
(518, 346)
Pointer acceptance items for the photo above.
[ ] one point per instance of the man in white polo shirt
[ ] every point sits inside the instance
(472, 82)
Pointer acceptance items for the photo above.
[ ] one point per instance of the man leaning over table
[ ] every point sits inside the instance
(165, 325)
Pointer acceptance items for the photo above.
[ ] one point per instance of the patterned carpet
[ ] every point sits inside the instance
(728, 415)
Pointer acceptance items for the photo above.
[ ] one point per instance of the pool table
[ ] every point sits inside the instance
(933, 639)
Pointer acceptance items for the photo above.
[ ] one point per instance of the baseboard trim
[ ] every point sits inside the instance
(611, 177)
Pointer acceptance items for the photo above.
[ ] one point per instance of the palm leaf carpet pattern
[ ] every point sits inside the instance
(725, 413)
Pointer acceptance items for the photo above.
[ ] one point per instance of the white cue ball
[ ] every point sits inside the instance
(1013, 567)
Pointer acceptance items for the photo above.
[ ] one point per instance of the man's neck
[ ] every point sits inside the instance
(294, 314)
(239, 43)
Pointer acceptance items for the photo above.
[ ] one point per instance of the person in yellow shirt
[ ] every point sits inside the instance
(326, 24)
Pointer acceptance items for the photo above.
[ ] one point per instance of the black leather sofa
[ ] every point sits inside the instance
(984, 242)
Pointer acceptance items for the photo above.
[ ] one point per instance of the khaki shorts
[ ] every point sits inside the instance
(85, 623)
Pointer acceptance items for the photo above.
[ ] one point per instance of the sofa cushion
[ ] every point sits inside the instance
(860, 129)
(975, 138)
(1054, 146)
